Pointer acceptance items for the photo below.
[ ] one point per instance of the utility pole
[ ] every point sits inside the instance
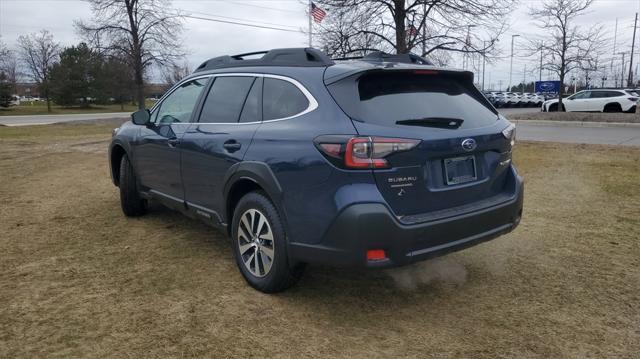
(524, 77)
(511, 66)
(633, 44)
(623, 66)
(615, 38)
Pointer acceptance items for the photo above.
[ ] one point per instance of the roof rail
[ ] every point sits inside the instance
(303, 57)
(379, 56)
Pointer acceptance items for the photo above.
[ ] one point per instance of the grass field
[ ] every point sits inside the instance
(40, 108)
(80, 280)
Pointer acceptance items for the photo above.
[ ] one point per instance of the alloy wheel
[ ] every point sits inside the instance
(255, 242)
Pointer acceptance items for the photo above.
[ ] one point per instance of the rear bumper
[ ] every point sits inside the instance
(365, 226)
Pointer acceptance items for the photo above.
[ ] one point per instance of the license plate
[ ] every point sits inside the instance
(460, 170)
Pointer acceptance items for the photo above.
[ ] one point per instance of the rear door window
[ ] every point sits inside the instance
(226, 99)
(282, 99)
(385, 98)
(252, 110)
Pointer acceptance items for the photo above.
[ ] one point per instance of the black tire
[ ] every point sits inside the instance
(554, 107)
(281, 274)
(612, 107)
(132, 204)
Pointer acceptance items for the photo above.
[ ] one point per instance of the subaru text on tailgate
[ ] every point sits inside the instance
(376, 162)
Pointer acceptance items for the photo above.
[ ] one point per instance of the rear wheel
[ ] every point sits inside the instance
(259, 243)
(132, 204)
(612, 107)
(554, 107)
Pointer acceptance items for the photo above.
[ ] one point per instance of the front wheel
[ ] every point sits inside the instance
(132, 204)
(260, 246)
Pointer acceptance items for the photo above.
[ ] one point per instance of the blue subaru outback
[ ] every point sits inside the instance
(377, 161)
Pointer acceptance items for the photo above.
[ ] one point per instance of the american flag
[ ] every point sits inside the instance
(317, 13)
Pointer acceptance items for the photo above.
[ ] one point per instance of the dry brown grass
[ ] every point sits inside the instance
(80, 280)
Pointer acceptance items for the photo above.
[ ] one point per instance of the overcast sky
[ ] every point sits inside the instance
(205, 39)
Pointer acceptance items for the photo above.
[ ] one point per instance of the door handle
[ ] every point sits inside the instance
(231, 145)
(173, 142)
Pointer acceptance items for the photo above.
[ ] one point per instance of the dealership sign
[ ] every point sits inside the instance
(549, 88)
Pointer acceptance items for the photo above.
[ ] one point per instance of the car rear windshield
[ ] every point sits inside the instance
(385, 98)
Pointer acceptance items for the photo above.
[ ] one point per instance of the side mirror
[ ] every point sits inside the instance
(141, 117)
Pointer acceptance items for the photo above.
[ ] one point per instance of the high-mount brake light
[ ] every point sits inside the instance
(363, 152)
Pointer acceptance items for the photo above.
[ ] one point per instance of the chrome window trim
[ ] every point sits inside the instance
(313, 103)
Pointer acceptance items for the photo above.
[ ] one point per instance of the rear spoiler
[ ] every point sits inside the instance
(333, 73)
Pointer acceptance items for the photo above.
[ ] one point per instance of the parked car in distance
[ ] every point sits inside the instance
(302, 159)
(14, 100)
(597, 100)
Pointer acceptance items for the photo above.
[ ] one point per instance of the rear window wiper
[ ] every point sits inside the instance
(439, 122)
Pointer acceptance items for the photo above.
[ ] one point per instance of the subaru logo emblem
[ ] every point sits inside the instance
(469, 144)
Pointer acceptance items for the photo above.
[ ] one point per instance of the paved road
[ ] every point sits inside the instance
(629, 136)
(47, 119)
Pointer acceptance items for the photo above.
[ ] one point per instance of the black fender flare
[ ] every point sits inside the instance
(116, 142)
(261, 174)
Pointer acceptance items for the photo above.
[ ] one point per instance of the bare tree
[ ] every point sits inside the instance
(421, 26)
(4, 51)
(39, 52)
(174, 73)
(9, 66)
(144, 32)
(566, 47)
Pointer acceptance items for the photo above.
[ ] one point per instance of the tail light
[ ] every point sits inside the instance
(510, 134)
(634, 99)
(362, 152)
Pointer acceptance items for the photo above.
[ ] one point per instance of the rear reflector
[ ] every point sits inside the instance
(376, 254)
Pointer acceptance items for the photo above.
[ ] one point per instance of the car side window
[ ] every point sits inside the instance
(580, 95)
(178, 106)
(282, 99)
(225, 99)
(252, 109)
(613, 94)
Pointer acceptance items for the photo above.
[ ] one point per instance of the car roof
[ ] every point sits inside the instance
(287, 60)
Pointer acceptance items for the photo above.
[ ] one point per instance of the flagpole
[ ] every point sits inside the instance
(310, 24)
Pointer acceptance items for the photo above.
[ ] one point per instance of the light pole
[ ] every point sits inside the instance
(468, 43)
(511, 66)
(541, 48)
(623, 65)
(484, 60)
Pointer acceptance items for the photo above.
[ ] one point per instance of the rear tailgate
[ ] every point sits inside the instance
(463, 158)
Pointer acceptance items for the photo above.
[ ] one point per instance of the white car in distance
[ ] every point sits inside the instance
(600, 100)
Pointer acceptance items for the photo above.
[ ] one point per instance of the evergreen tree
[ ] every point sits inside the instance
(73, 79)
